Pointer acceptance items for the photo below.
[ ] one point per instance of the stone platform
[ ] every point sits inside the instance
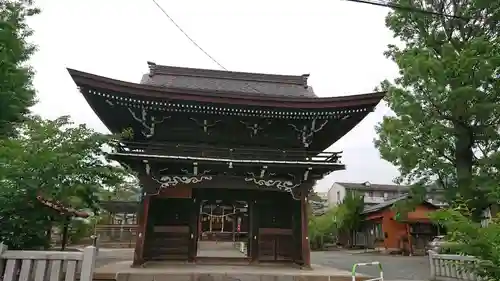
(162, 271)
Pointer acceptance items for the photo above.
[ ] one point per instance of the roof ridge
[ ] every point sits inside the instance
(156, 69)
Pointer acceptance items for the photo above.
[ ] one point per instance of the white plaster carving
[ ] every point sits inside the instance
(307, 132)
(205, 125)
(170, 181)
(148, 124)
(254, 128)
(173, 180)
(287, 186)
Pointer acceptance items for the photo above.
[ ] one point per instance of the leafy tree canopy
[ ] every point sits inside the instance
(57, 160)
(446, 98)
(470, 238)
(16, 88)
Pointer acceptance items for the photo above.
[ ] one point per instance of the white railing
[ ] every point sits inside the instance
(451, 267)
(47, 265)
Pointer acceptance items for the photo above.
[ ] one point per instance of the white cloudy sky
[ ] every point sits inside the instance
(338, 42)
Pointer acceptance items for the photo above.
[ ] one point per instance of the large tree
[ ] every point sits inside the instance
(447, 98)
(17, 94)
(58, 161)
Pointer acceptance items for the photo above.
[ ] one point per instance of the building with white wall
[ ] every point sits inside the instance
(373, 193)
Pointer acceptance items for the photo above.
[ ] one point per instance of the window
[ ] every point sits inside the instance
(386, 195)
(377, 229)
(370, 194)
(339, 200)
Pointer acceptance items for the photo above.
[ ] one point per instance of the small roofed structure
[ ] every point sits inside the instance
(61, 209)
(65, 211)
(383, 227)
(118, 229)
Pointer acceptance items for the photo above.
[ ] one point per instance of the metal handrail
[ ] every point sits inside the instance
(355, 266)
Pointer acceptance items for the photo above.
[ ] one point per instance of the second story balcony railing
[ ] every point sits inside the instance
(238, 153)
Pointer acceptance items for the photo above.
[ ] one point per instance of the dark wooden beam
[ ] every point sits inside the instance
(305, 247)
(141, 231)
(253, 234)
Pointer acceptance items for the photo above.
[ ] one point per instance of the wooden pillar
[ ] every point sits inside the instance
(408, 234)
(141, 231)
(304, 222)
(253, 231)
(64, 242)
(194, 230)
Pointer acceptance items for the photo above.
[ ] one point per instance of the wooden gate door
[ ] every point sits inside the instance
(168, 229)
(275, 232)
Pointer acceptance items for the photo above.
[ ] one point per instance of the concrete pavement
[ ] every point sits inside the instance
(396, 268)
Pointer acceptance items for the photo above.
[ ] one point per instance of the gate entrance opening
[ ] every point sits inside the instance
(223, 229)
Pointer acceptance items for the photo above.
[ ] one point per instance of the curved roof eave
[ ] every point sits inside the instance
(89, 80)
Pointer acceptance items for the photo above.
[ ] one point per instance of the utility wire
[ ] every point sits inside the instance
(196, 44)
(187, 35)
(388, 4)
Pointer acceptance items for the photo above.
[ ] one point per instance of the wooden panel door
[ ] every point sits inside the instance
(169, 232)
(275, 228)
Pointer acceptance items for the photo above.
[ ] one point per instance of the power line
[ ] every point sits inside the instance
(196, 44)
(388, 4)
(187, 35)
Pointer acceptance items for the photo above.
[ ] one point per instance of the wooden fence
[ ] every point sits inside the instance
(451, 267)
(47, 265)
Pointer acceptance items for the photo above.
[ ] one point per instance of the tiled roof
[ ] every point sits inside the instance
(59, 207)
(389, 203)
(373, 187)
(217, 80)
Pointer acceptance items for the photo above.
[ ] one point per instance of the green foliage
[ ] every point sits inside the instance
(127, 191)
(16, 87)
(469, 238)
(446, 98)
(348, 216)
(321, 229)
(80, 230)
(343, 218)
(57, 160)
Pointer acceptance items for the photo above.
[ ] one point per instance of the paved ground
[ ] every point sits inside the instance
(218, 249)
(395, 267)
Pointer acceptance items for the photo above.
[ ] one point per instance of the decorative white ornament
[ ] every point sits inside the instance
(149, 126)
(307, 132)
(169, 181)
(287, 186)
(205, 125)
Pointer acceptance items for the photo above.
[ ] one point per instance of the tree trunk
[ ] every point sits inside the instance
(463, 163)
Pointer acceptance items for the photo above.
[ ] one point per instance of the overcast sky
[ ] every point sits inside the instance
(339, 43)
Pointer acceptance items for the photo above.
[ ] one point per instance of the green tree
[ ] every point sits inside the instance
(469, 238)
(129, 190)
(58, 161)
(321, 228)
(348, 214)
(16, 87)
(446, 98)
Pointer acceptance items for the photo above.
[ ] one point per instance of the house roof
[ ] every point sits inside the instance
(389, 203)
(231, 81)
(366, 186)
(63, 210)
